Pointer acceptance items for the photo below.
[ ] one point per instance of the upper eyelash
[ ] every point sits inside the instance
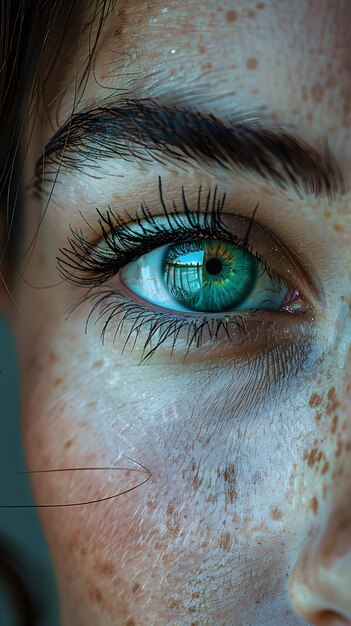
(95, 266)
(85, 264)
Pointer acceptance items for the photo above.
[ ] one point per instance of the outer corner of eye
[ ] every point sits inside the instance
(307, 296)
(295, 302)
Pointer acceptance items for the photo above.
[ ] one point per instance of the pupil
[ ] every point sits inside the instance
(214, 266)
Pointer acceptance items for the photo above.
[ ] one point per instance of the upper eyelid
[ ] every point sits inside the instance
(113, 226)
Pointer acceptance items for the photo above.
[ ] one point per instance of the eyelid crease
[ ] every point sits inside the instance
(117, 231)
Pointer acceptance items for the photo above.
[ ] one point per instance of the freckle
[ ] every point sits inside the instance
(318, 416)
(310, 457)
(230, 491)
(348, 446)
(325, 468)
(97, 363)
(224, 541)
(170, 509)
(95, 595)
(327, 214)
(276, 513)
(313, 505)
(251, 63)
(57, 382)
(317, 92)
(106, 568)
(260, 6)
(334, 424)
(174, 604)
(339, 447)
(68, 444)
(136, 587)
(332, 401)
(338, 228)
(315, 400)
(206, 66)
(53, 358)
(251, 13)
(201, 48)
(130, 622)
(230, 16)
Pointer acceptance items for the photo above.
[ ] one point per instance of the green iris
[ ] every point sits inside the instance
(209, 274)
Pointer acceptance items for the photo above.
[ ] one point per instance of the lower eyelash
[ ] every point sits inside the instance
(110, 303)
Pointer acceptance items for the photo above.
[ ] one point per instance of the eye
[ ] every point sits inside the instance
(204, 276)
(191, 279)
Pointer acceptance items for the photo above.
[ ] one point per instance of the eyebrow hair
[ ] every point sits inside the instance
(147, 130)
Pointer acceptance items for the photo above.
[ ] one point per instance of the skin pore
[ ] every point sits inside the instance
(245, 519)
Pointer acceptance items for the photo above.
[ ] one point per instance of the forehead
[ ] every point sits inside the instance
(289, 58)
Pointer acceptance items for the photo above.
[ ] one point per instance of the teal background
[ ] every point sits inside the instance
(20, 527)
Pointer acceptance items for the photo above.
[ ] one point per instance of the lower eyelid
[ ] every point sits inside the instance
(197, 338)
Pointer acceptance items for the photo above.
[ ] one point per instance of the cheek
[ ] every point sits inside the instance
(209, 481)
(188, 522)
(326, 466)
(221, 487)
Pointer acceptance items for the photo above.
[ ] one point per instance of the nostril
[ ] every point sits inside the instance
(328, 618)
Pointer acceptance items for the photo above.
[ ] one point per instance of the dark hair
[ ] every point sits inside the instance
(19, 55)
(32, 33)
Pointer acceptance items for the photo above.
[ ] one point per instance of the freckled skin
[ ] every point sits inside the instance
(230, 16)
(251, 63)
(250, 478)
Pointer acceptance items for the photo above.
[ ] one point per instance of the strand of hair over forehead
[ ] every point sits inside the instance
(25, 72)
(24, 27)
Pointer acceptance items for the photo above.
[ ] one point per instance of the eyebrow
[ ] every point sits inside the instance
(149, 131)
